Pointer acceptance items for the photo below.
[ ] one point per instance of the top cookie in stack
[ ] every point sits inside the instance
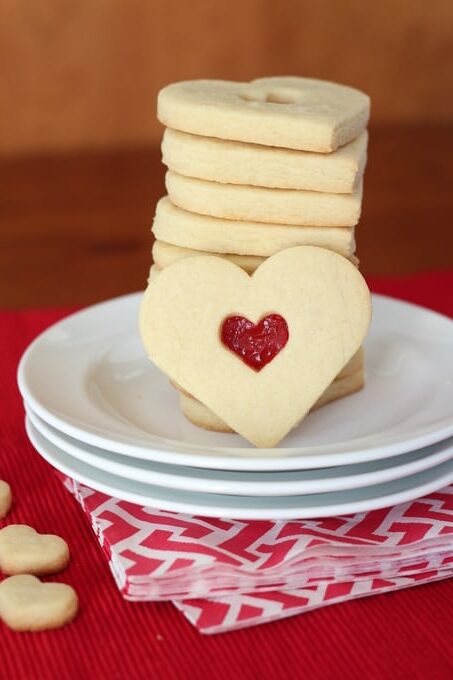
(258, 167)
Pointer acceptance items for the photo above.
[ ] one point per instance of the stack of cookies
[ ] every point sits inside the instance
(255, 168)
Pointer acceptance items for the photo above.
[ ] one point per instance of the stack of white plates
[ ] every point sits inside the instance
(101, 413)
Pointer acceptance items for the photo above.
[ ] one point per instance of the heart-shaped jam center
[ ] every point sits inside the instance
(256, 344)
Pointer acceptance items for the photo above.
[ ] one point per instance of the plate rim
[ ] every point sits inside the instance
(244, 488)
(227, 458)
(254, 514)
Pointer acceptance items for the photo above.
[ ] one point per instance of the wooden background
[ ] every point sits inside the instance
(82, 74)
(80, 167)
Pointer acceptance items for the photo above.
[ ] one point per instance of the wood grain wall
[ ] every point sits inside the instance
(85, 73)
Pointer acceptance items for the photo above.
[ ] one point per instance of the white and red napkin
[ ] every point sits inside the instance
(229, 574)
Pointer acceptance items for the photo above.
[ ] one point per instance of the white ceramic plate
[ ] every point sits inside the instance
(88, 376)
(294, 482)
(245, 507)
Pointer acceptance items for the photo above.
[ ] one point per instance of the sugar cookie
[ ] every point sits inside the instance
(188, 230)
(153, 272)
(354, 366)
(24, 551)
(6, 498)
(290, 112)
(164, 254)
(256, 204)
(200, 415)
(229, 162)
(275, 340)
(26, 604)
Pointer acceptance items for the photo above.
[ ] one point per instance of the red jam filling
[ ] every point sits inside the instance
(256, 344)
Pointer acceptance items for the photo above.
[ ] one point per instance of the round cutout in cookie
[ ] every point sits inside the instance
(289, 112)
(230, 162)
(258, 204)
(210, 234)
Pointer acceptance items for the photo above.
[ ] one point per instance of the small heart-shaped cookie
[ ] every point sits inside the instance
(26, 604)
(5, 498)
(318, 295)
(24, 551)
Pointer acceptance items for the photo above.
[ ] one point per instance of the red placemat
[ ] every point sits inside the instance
(400, 635)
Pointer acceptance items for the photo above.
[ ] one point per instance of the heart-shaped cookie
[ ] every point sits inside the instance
(321, 297)
(24, 551)
(5, 498)
(26, 604)
(290, 112)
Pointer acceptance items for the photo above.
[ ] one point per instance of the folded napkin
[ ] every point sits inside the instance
(221, 615)
(228, 574)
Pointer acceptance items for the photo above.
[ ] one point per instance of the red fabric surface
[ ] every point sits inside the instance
(400, 635)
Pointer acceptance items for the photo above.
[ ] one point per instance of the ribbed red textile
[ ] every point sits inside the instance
(401, 635)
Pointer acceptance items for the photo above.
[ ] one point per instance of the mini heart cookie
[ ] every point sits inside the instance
(24, 551)
(319, 295)
(26, 604)
(6, 498)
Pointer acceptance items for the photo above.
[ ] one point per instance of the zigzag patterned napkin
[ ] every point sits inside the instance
(228, 574)
(221, 615)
